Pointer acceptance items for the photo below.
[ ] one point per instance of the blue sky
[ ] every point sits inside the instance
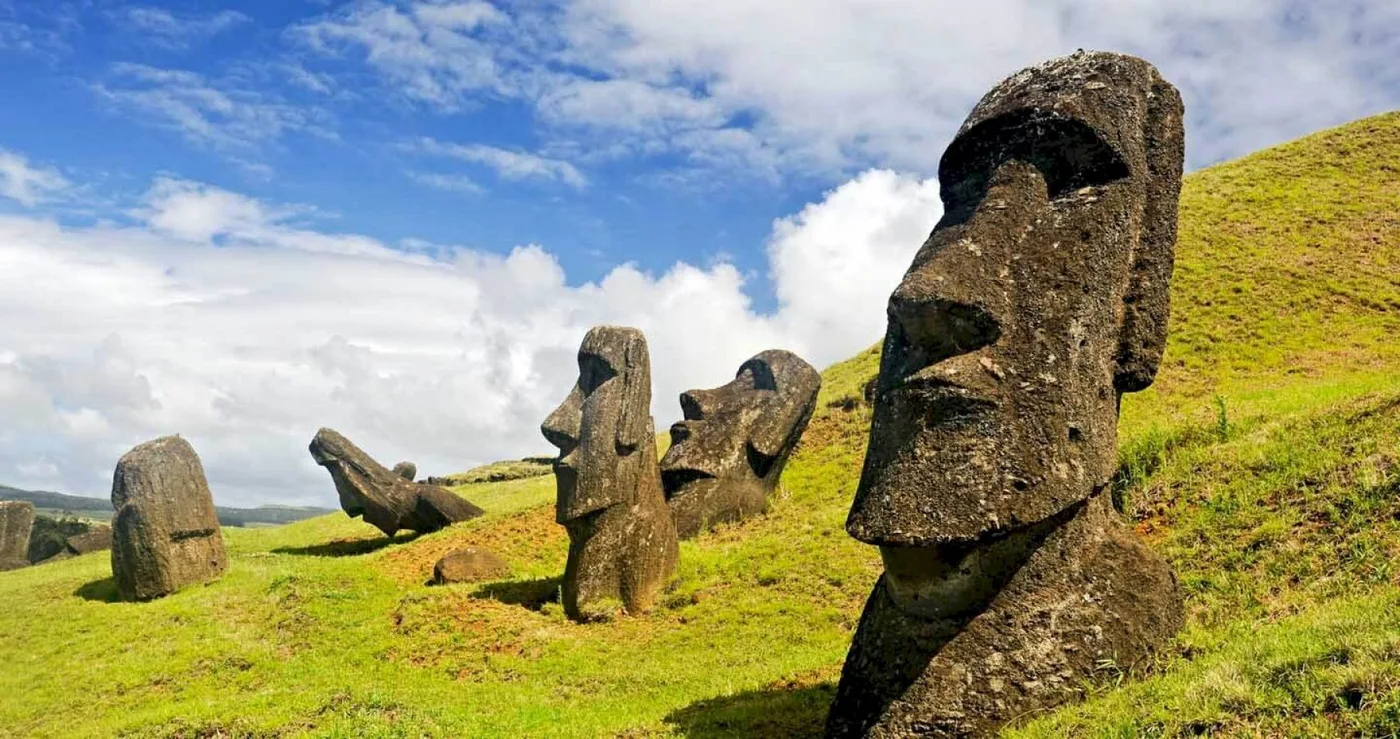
(243, 221)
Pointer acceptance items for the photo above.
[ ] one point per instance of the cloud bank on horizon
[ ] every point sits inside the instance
(243, 321)
(224, 319)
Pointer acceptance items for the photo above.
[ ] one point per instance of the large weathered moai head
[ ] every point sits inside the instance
(1039, 298)
(601, 427)
(727, 455)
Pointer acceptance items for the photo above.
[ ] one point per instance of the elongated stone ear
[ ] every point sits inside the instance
(1147, 302)
(634, 422)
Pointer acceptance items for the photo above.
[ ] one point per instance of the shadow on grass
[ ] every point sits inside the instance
(777, 711)
(347, 547)
(103, 591)
(533, 594)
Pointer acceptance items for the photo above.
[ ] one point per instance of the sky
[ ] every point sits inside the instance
(241, 222)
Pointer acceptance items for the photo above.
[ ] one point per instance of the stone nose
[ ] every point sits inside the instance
(940, 328)
(561, 428)
(696, 405)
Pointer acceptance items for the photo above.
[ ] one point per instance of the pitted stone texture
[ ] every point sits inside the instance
(16, 523)
(165, 534)
(1040, 297)
(406, 470)
(622, 541)
(385, 499)
(727, 455)
(469, 565)
(1088, 591)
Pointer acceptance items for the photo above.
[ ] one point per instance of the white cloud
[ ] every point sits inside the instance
(449, 182)
(828, 86)
(228, 320)
(26, 184)
(432, 52)
(207, 112)
(166, 28)
(510, 165)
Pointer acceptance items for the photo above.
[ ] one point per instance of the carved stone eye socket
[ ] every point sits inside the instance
(1069, 153)
(593, 371)
(758, 375)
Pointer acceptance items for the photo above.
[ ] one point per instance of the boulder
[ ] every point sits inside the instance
(165, 535)
(406, 470)
(96, 540)
(469, 565)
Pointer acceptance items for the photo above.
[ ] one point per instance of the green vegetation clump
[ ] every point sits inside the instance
(513, 469)
(1265, 464)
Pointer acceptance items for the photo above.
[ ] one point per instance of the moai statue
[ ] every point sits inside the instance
(406, 470)
(728, 453)
(165, 534)
(16, 524)
(622, 541)
(1038, 300)
(384, 497)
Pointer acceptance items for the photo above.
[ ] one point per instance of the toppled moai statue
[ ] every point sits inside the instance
(406, 470)
(622, 541)
(165, 534)
(97, 539)
(469, 564)
(1038, 300)
(385, 499)
(16, 522)
(728, 453)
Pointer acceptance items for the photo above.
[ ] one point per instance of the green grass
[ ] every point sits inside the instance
(1265, 465)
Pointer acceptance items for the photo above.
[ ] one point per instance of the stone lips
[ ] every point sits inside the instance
(383, 497)
(727, 455)
(16, 524)
(622, 540)
(1039, 298)
(165, 534)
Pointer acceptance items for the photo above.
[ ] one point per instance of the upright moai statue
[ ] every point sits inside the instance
(16, 523)
(622, 541)
(165, 534)
(727, 455)
(1038, 300)
(388, 499)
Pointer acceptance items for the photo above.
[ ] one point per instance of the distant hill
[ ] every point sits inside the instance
(100, 508)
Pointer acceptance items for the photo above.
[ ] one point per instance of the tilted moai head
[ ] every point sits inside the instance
(387, 499)
(728, 453)
(622, 541)
(1038, 299)
(601, 427)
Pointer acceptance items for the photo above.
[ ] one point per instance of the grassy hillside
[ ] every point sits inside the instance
(1265, 465)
